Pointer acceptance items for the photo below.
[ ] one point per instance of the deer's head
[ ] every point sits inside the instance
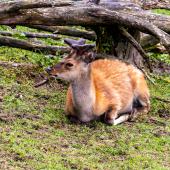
(75, 62)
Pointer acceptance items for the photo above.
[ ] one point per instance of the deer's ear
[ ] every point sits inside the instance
(88, 57)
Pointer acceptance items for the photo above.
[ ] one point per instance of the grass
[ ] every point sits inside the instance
(161, 11)
(160, 57)
(35, 134)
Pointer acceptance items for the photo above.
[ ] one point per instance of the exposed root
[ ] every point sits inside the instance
(132, 40)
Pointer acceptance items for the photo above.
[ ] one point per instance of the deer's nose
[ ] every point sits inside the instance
(48, 70)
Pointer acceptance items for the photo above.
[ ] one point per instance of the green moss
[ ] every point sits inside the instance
(161, 11)
(160, 57)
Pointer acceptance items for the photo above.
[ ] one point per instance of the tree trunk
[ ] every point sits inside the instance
(110, 41)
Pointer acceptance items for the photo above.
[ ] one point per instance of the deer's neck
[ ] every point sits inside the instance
(83, 93)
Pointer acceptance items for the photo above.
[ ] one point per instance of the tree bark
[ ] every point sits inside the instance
(30, 34)
(12, 42)
(105, 18)
(63, 30)
(81, 14)
(93, 15)
(150, 4)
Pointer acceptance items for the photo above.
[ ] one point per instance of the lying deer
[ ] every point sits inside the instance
(111, 88)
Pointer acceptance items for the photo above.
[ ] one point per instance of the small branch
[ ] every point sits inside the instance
(161, 99)
(42, 82)
(30, 35)
(63, 30)
(12, 42)
(147, 76)
(136, 45)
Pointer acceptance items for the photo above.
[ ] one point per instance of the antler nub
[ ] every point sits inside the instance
(79, 45)
(72, 42)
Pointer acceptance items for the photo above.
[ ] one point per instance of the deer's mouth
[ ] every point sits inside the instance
(49, 70)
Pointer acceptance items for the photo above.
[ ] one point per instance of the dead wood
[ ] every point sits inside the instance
(63, 30)
(91, 15)
(13, 42)
(137, 46)
(140, 24)
(41, 82)
(156, 4)
(77, 14)
(30, 34)
(14, 6)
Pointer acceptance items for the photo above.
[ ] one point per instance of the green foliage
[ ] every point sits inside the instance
(160, 57)
(161, 11)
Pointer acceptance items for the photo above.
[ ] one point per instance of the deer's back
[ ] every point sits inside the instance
(115, 84)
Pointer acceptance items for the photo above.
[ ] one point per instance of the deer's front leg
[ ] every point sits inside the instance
(111, 117)
(69, 108)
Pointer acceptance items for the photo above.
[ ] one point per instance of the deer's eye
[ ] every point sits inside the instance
(69, 65)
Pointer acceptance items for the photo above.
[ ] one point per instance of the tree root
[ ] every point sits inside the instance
(136, 45)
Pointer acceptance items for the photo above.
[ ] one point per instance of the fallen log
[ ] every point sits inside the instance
(30, 34)
(91, 15)
(14, 6)
(46, 49)
(65, 15)
(63, 30)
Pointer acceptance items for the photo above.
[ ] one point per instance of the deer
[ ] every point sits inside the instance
(108, 88)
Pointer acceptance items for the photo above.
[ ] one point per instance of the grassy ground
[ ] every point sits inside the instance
(35, 134)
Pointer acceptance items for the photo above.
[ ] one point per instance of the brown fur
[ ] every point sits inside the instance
(116, 84)
(103, 87)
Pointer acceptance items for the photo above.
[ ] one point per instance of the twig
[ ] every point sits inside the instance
(147, 76)
(42, 82)
(65, 30)
(161, 99)
(30, 34)
(145, 73)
